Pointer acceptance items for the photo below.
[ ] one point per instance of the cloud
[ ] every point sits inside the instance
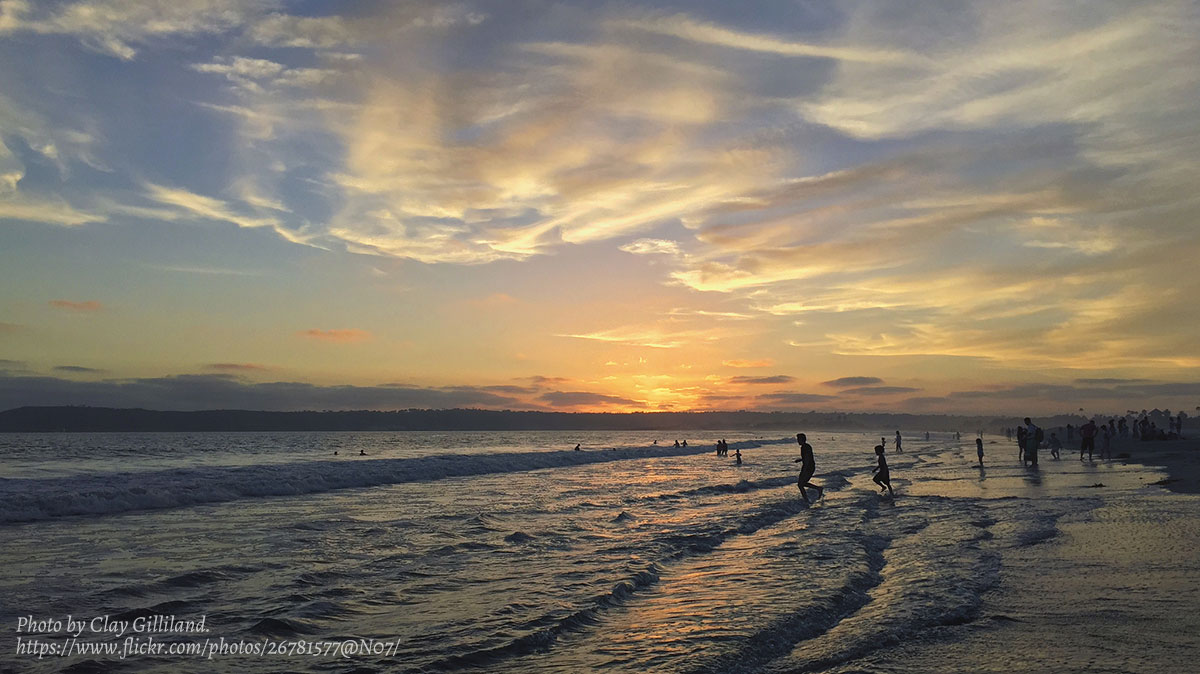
(48, 211)
(112, 26)
(764, 362)
(651, 247)
(543, 381)
(777, 379)
(847, 382)
(237, 367)
(340, 336)
(778, 399)
(585, 399)
(493, 301)
(878, 390)
(655, 338)
(77, 369)
(683, 27)
(209, 208)
(201, 392)
(81, 307)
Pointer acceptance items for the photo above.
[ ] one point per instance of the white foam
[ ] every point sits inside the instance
(24, 500)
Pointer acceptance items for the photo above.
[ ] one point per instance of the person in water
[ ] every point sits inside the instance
(737, 454)
(898, 446)
(883, 478)
(808, 466)
(979, 449)
(362, 452)
(1055, 446)
(577, 448)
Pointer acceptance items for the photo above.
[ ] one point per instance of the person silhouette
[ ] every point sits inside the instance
(808, 466)
(1087, 439)
(979, 449)
(883, 478)
(737, 454)
(577, 448)
(899, 449)
(1055, 446)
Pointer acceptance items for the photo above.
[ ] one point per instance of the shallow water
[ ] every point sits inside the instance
(509, 552)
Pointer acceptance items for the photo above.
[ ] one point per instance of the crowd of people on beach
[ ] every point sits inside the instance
(1030, 437)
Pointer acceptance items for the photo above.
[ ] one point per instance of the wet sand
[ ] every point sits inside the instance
(1114, 591)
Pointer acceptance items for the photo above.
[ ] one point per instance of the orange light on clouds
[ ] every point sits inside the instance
(340, 336)
(765, 362)
(68, 305)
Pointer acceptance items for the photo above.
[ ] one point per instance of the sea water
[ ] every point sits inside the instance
(510, 551)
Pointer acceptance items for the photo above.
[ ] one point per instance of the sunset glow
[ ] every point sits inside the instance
(600, 206)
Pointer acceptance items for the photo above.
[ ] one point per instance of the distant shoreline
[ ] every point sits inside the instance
(103, 419)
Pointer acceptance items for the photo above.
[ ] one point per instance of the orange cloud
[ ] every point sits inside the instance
(68, 305)
(765, 362)
(341, 336)
(237, 367)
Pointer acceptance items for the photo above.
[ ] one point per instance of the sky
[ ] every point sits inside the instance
(927, 207)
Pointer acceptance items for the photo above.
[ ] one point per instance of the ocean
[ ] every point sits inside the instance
(509, 551)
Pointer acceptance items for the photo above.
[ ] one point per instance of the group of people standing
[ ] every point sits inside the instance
(723, 450)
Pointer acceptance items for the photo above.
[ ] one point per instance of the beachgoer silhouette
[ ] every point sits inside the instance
(899, 447)
(1087, 439)
(362, 452)
(883, 478)
(808, 466)
(685, 443)
(926, 436)
(577, 448)
(335, 452)
(676, 443)
(1031, 442)
(1055, 446)
(1021, 444)
(737, 454)
(979, 449)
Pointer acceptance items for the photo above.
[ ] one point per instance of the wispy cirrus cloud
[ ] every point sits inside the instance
(87, 306)
(851, 382)
(878, 390)
(770, 400)
(776, 379)
(77, 369)
(586, 399)
(763, 362)
(340, 336)
(238, 367)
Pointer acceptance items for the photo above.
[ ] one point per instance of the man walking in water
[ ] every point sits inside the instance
(1031, 441)
(808, 466)
(1087, 439)
(898, 447)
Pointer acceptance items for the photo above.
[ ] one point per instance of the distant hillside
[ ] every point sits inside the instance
(94, 419)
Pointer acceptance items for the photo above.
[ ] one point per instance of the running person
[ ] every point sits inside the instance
(808, 466)
(883, 478)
